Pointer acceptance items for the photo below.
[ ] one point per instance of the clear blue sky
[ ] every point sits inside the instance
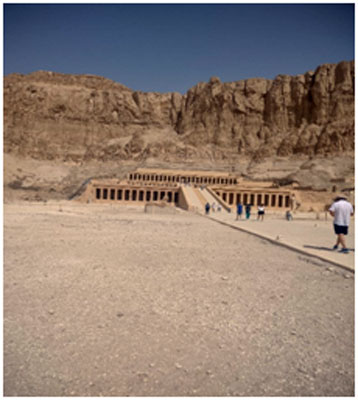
(172, 47)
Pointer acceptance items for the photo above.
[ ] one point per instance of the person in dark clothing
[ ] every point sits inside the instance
(288, 215)
(207, 208)
(248, 210)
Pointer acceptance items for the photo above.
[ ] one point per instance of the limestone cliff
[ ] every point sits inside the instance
(311, 114)
(51, 116)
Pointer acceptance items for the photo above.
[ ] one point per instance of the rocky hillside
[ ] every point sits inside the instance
(60, 130)
(311, 114)
(55, 116)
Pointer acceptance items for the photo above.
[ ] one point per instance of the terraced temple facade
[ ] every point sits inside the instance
(190, 190)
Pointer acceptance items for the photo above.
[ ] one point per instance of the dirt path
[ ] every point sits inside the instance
(305, 233)
(109, 301)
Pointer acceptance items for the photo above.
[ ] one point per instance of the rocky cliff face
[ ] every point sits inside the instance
(51, 116)
(306, 114)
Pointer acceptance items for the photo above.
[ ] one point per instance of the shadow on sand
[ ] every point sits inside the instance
(322, 248)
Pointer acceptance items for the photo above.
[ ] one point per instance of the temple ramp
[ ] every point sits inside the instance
(193, 200)
(210, 198)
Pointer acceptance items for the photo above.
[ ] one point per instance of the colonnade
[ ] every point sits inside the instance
(136, 194)
(182, 178)
(256, 198)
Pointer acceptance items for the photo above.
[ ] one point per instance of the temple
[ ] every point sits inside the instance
(190, 190)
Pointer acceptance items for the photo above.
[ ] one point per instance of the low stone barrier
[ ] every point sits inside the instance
(159, 208)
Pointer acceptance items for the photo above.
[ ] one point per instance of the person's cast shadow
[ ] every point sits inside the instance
(322, 248)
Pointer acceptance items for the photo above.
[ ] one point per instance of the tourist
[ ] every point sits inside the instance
(260, 212)
(238, 211)
(248, 210)
(207, 208)
(288, 215)
(213, 206)
(341, 210)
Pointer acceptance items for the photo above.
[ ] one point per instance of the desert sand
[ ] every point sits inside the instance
(103, 300)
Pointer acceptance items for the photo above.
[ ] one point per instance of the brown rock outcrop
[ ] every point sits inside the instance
(306, 114)
(67, 117)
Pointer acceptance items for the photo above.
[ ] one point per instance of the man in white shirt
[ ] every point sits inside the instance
(341, 210)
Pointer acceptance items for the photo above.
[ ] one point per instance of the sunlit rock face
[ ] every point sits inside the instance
(83, 117)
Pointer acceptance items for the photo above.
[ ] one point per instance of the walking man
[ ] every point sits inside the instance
(341, 210)
(238, 211)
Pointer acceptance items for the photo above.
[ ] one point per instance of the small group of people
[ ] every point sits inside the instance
(341, 210)
(212, 207)
(240, 209)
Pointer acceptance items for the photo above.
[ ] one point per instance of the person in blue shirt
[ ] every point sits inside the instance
(238, 211)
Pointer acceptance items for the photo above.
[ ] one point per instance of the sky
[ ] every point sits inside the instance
(172, 47)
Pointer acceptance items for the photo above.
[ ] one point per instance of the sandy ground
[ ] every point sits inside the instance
(111, 301)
